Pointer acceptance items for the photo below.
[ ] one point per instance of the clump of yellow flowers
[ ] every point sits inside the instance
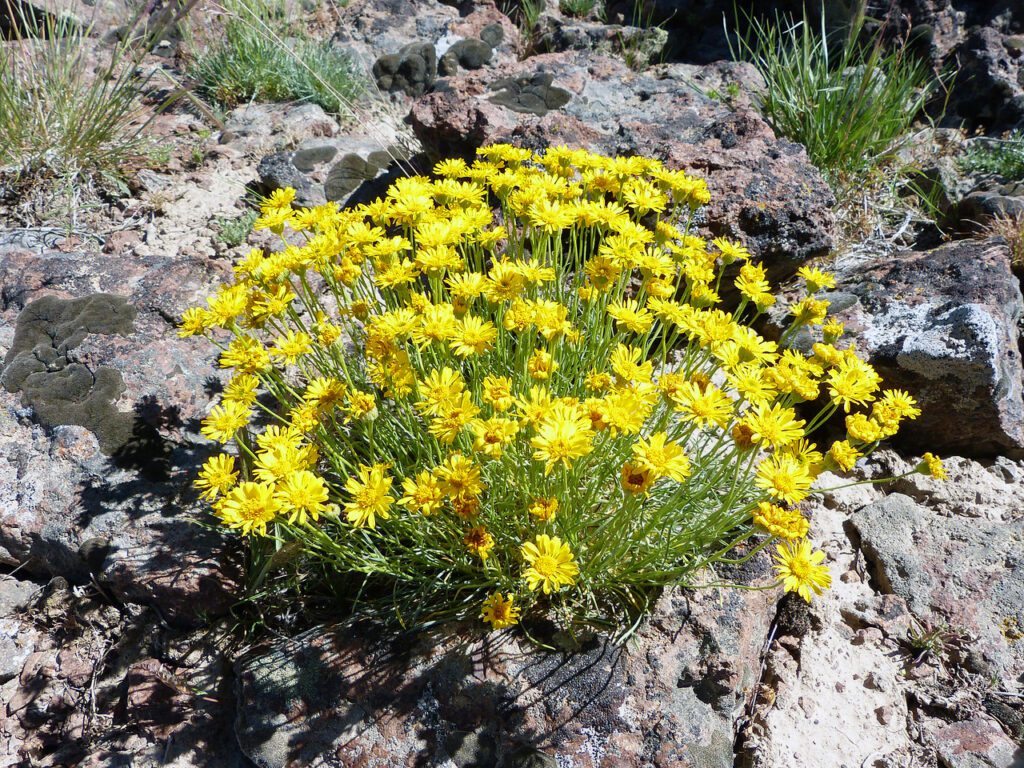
(516, 387)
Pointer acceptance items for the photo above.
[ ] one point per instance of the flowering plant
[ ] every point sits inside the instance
(515, 388)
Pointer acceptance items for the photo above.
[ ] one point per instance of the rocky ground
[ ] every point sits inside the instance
(119, 645)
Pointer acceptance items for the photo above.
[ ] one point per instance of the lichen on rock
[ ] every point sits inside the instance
(60, 390)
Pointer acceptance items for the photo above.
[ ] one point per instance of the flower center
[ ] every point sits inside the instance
(546, 566)
(800, 568)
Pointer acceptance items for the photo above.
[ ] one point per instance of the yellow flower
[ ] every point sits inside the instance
(438, 390)
(752, 283)
(774, 426)
(625, 409)
(541, 365)
(544, 510)
(662, 457)
(361, 405)
(832, 330)
(245, 353)
(636, 478)
(473, 336)
(631, 315)
(852, 382)
(644, 197)
(499, 611)
(459, 477)
(863, 429)
(479, 542)
(249, 507)
(302, 493)
(290, 347)
(550, 564)
(816, 279)
(279, 198)
(217, 476)
(326, 392)
(809, 311)
(785, 477)
(422, 494)
(277, 462)
(241, 389)
(551, 215)
(564, 435)
(932, 465)
(781, 522)
(844, 455)
(801, 570)
(498, 392)
(730, 251)
(455, 415)
(492, 435)
(703, 405)
(195, 320)
(625, 363)
(225, 420)
(534, 406)
(370, 497)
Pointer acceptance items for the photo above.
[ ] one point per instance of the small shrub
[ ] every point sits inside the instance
(1003, 157)
(232, 232)
(256, 60)
(539, 411)
(578, 8)
(850, 104)
(69, 110)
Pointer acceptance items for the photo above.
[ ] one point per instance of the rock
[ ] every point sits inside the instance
(764, 190)
(975, 743)
(104, 489)
(370, 30)
(382, 34)
(278, 171)
(989, 90)
(258, 126)
(990, 200)
(942, 324)
(412, 70)
(964, 572)
(334, 169)
(340, 697)
(59, 390)
(471, 53)
(639, 47)
(993, 490)
(88, 667)
(93, 16)
(17, 642)
(529, 94)
(15, 595)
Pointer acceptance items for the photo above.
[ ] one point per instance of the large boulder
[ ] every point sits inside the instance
(942, 324)
(764, 189)
(99, 415)
(344, 696)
